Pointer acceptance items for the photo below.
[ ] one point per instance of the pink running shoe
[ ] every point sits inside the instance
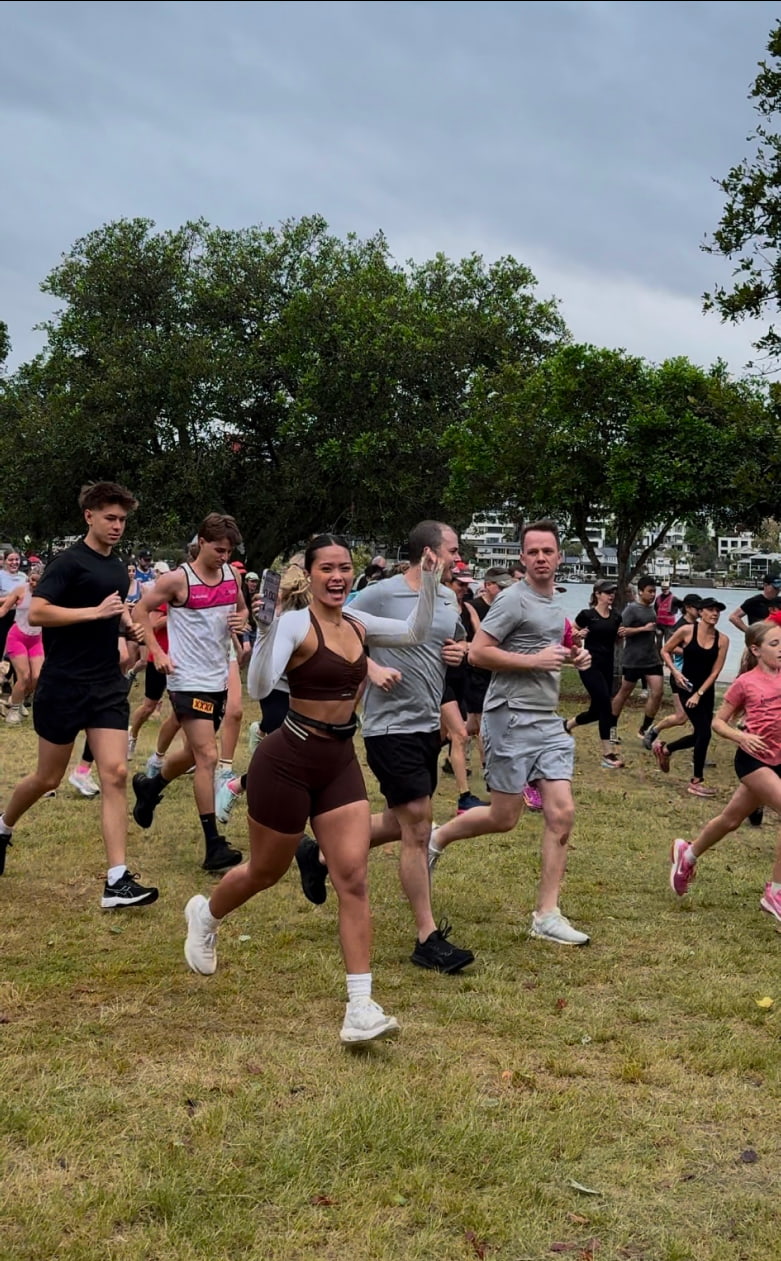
(532, 798)
(771, 902)
(681, 872)
(662, 755)
(698, 789)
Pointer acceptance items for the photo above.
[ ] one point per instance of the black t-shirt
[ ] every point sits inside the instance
(480, 607)
(81, 578)
(602, 631)
(758, 607)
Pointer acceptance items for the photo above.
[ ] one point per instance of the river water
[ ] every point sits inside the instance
(577, 594)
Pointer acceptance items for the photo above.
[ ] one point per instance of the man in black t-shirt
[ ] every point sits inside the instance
(758, 607)
(79, 603)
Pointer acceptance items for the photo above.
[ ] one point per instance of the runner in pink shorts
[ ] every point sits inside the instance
(24, 645)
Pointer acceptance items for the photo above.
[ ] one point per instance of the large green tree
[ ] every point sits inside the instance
(597, 434)
(749, 231)
(298, 380)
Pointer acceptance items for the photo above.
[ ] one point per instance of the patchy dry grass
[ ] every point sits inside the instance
(147, 1114)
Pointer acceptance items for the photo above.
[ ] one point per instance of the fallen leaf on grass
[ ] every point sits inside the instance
(561, 1003)
(251, 1067)
(399, 1199)
(191, 1105)
(748, 1157)
(578, 1219)
(245, 937)
(564, 1247)
(323, 1201)
(479, 1245)
(578, 1186)
(764, 1003)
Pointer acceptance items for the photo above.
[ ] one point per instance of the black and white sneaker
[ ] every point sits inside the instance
(126, 892)
(147, 799)
(439, 954)
(5, 843)
(313, 873)
(220, 856)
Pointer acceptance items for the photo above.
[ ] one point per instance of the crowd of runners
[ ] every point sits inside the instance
(416, 655)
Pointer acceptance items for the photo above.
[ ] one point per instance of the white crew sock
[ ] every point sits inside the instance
(4, 828)
(775, 888)
(689, 856)
(432, 841)
(114, 873)
(359, 985)
(208, 920)
(225, 764)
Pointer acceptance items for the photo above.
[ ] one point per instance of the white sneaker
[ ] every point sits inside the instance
(364, 1021)
(200, 946)
(225, 799)
(254, 736)
(84, 782)
(434, 854)
(131, 746)
(13, 715)
(25, 712)
(553, 926)
(153, 765)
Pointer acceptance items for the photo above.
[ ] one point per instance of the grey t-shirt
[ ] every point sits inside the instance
(414, 703)
(640, 651)
(525, 622)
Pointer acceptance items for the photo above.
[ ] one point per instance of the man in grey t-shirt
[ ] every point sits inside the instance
(641, 653)
(520, 640)
(401, 733)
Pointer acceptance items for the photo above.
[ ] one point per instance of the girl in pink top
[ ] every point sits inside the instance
(756, 693)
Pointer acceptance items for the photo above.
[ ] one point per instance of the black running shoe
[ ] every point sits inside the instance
(5, 843)
(147, 799)
(437, 953)
(313, 873)
(755, 819)
(220, 855)
(126, 892)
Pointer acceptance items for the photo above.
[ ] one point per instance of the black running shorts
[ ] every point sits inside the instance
(207, 705)
(64, 707)
(405, 765)
(745, 763)
(154, 683)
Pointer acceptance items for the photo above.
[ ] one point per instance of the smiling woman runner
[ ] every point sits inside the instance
(307, 769)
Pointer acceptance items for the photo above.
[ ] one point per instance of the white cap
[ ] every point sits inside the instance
(161, 567)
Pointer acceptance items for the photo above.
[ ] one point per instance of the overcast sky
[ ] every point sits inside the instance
(583, 138)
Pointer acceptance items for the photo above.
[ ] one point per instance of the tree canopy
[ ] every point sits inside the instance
(300, 381)
(595, 434)
(749, 231)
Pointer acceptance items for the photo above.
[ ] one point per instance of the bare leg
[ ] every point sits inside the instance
(110, 751)
(738, 808)
(231, 723)
(501, 816)
(455, 729)
(270, 855)
(52, 764)
(622, 696)
(558, 812)
(202, 739)
(21, 687)
(414, 827)
(343, 837)
(655, 692)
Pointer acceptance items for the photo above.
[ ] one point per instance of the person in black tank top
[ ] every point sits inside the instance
(704, 652)
(453, 710)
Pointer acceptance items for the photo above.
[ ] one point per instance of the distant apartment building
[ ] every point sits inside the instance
(735, 546)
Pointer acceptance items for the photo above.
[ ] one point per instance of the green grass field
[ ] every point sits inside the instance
(613, 1102)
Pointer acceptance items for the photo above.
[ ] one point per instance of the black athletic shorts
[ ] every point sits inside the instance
(633, 674)
(207, 705)
(404, 765)
(62, 708)
(154, 683)
(476, 687)
(745, 763)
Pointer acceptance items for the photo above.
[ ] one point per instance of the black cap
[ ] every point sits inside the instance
(692, 600)
(144, 553)
(605, 585)
(710, 602)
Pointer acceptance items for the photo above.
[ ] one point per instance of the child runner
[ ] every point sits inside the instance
(756, 692)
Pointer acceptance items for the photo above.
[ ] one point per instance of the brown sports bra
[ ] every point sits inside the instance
(325, 676)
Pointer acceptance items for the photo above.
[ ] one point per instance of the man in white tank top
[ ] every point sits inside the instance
(205, 608)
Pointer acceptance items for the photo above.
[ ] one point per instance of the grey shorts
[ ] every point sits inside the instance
(525, 745)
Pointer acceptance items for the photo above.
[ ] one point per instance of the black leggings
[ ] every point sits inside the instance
(598, 682)
(700, 717)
